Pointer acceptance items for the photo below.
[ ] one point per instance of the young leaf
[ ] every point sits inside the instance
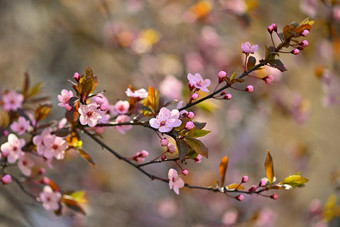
(269, 167)
(234, 186)
(197, 146)
(42, 112)
(223, 169)
(199, 133)
(87, 157)
(35, 90)
(233, 76)
(294, 180)
(71, 203)
(26, 85)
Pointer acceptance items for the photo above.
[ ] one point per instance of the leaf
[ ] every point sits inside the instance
(86, 84)
(232, 77)
(62, 132)
(42, 112)
(199, 132)
(269, 167)
(87, 157)
(251, 62)
(71, 203)
(4, 119)
(182, 147)
(223, 169)
(294, 180)
(276, 63)
(53, 185)
(35, 90)
(79, 196)
(151, 100)
(199, 125)
(26, 85)
(234, 186)
(197, 146)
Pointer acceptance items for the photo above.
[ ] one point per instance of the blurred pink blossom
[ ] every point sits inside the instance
(123, 128)
(171, 87)
(25, 164)
(12, 100)
(20, 126)
(50, 199)
(12, 148)
(309, 7)
(141, 93)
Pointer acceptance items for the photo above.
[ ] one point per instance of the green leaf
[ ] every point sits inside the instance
(197, 146)
(294, 181)
(199, 133)
(200, 125)
(233, 76)
(276, 63)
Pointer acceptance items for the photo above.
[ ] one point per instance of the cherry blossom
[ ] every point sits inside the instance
(12, 100)
(247, 48)
(175, 182)
(198, 82)
(171, 87)
(140, 156)
(50, 199)
(12, 148)
(55, 146)
(123, 128)
(122, 107)
(166, 120)
(20, 126)
(140, 94)
(64, 99)
(39, 141)
(101, 101)
(89, 114)
(25, 164)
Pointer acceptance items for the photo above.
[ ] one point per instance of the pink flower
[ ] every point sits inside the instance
(12, 100)
(198, 82)
(247, 48)
(123, 128)
(140, 94)
(12, 149)
(20, 126)
(50, 199)
(175, 182)
(39, 141)
(54, 147)
(230, 218)
(171, 87)
(89, 114)
(165, 120)
(122, 107)
(25, 164)
(101, 101)
(64, 99)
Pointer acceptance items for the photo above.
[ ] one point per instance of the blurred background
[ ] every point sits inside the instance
(158, 42)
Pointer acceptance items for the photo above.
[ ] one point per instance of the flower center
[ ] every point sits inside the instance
(55, 147)
(163, 123)
(89, 114)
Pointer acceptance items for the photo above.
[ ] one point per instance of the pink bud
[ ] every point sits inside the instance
(240, 197)
(76, 76)
(185, 172)
(252, 188)
(270, 29)
(198, 158)
(194, 96)
(6, 179)
(144, 153)
(249, 89)
(42, 171)
(171, 148)
(274, 26)
(274, 196)
(304, 32)
(262, 183)
(228, 96)
(164, 142)
(244, 179)
(45, 180)
(223, 93)
(189, 125)
(304, 43)
(191, 115)
(163, 157)
(295, 51)
(269, 79)
(221, 75)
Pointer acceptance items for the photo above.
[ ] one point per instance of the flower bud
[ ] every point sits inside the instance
(269, 79)
(221, 75)
(42, 171)
(223, 93)
(262, 183)
(171, 148)
(45, 180)
(189, 125)
(305, 32)
(274, 27)
(6, 179)
(252, 188)
(163, 157)
(76, 76)
(164, 142)
(249, 89)
(274, 196)
(270, 29)
(304, 43)
(185, 172)
(191, 115)
(244, 179)
(228, 96)
(144, 153)
(240, 197)
(295, 51)
(194, 96)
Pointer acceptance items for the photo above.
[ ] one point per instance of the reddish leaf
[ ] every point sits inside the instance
(87, 157)
(223, 169)
(42, 112)
(269, 167)
(71, 203)
(26, 85)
